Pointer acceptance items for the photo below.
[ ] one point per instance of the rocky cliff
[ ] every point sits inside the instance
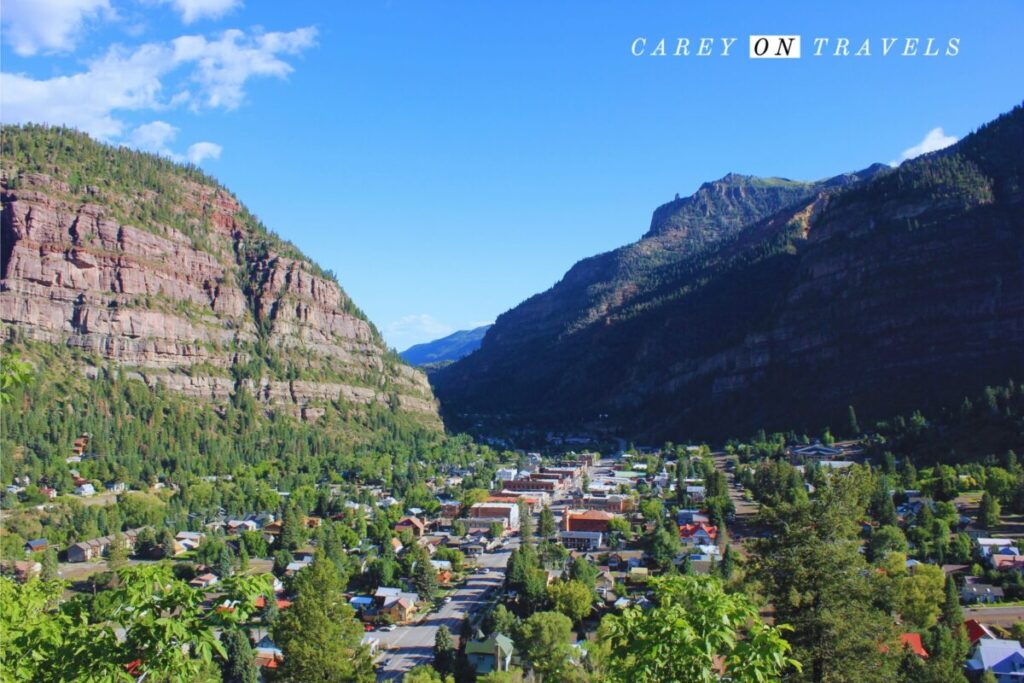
(768, 303)
(153, 268)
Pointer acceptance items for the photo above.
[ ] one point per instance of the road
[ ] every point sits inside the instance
(410, 646)
(999, 616)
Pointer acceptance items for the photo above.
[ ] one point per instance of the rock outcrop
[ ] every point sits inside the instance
(180, 285)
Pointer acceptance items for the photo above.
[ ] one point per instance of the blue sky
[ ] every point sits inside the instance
(449, 159)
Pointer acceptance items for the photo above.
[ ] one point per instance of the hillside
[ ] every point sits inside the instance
(777, 304)
(123, 268)
(450, 348)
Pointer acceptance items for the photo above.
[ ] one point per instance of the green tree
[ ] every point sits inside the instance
(459, 528)
(664, 546)
(572, 598)
(167, 543)
(50, 565)
(580, 569)
(694, 627)
(952, 614)
(921, 595)
(726, 566)
(444, 651)
(117, 555)
(852, 425)
(546, 528)
(424, 577)
(319, 635)
(988, 512)
(47, 639)
(886, 539)
(14, 373)
(525, 522)
(546, 642)
(238, 664)
(293, 530)
(812, 570)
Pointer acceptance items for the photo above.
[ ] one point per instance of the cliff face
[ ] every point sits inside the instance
(163, 274)
(885, 290)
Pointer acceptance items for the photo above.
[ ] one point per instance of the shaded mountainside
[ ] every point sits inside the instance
(769, 303)
(151, 270)
(450, 348)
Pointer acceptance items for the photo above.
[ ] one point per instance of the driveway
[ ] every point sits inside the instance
(413, 645)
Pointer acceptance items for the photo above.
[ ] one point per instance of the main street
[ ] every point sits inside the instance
(413, 645)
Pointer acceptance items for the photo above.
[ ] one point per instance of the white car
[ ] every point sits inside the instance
(389, 628)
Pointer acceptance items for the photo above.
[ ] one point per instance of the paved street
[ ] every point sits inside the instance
(409, 646)
(1000, 616)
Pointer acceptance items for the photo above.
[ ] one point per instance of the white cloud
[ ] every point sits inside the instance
(157, 137)
(49, 25)
(194, 10)
(203, 150)
(213, 74)
(415, 329)
(118, 81)
(935, 140)
(153, 137)
(224, 65)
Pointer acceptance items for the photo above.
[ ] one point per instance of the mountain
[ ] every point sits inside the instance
(773, 303)
(119, 265)
(446, 349)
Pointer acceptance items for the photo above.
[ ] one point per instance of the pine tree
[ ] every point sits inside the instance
(424, 578)
(444, 651)
(525, 522)
(952, 615)
(167, 543)
(725, 568)
(239, 665)
(50, 566)
(988, 512)
(851, 422)
(546, 524)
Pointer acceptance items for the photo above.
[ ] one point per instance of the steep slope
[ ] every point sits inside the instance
(884, 290)
(446, 349)
(152, 269)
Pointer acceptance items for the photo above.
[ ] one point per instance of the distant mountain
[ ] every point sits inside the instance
(447, 349)
(775, 303)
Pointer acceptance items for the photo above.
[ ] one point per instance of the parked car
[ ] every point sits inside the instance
(367, 627)
(388, 628)
(447, 599)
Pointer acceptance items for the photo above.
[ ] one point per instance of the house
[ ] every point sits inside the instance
(913, 642)
(449, 508)
(443, 569)
(36, 545)
(237, 526)
(987, 546)
(84, 551)
(604, 583)
(505, 474)
(981, 592)
(413, 524)
(85, 490)
(21, 570)
(698, 534)
(50, 493)
(204, 581)
(587, 520)
(1005, 563)
(695, 494)
(395, 603)
(493, 654)
(816, 451)
(363, 604)
(692, 517)
(624, 560)
(977, 630)
(638, 574)
(396, 545)
(581, 540)
(268, 655)
(1004, 658)
(614, 502)
(115, 487)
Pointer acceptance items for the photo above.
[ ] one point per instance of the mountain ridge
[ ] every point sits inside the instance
(670, 343)
(449, 348)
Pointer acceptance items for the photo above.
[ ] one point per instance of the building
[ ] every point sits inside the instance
(21, 570)
(413, 524)
(581, 540)
(505, 474)
(204, 581)
(698, 534)
(493, 654)
(506, 514)
(531, 484)
(587, 520)
(695, 494)
(36, 545)
(86, 551)
(981, 592)
(85, 490)
(1004, 658)
(395, 603)
(613, 502)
